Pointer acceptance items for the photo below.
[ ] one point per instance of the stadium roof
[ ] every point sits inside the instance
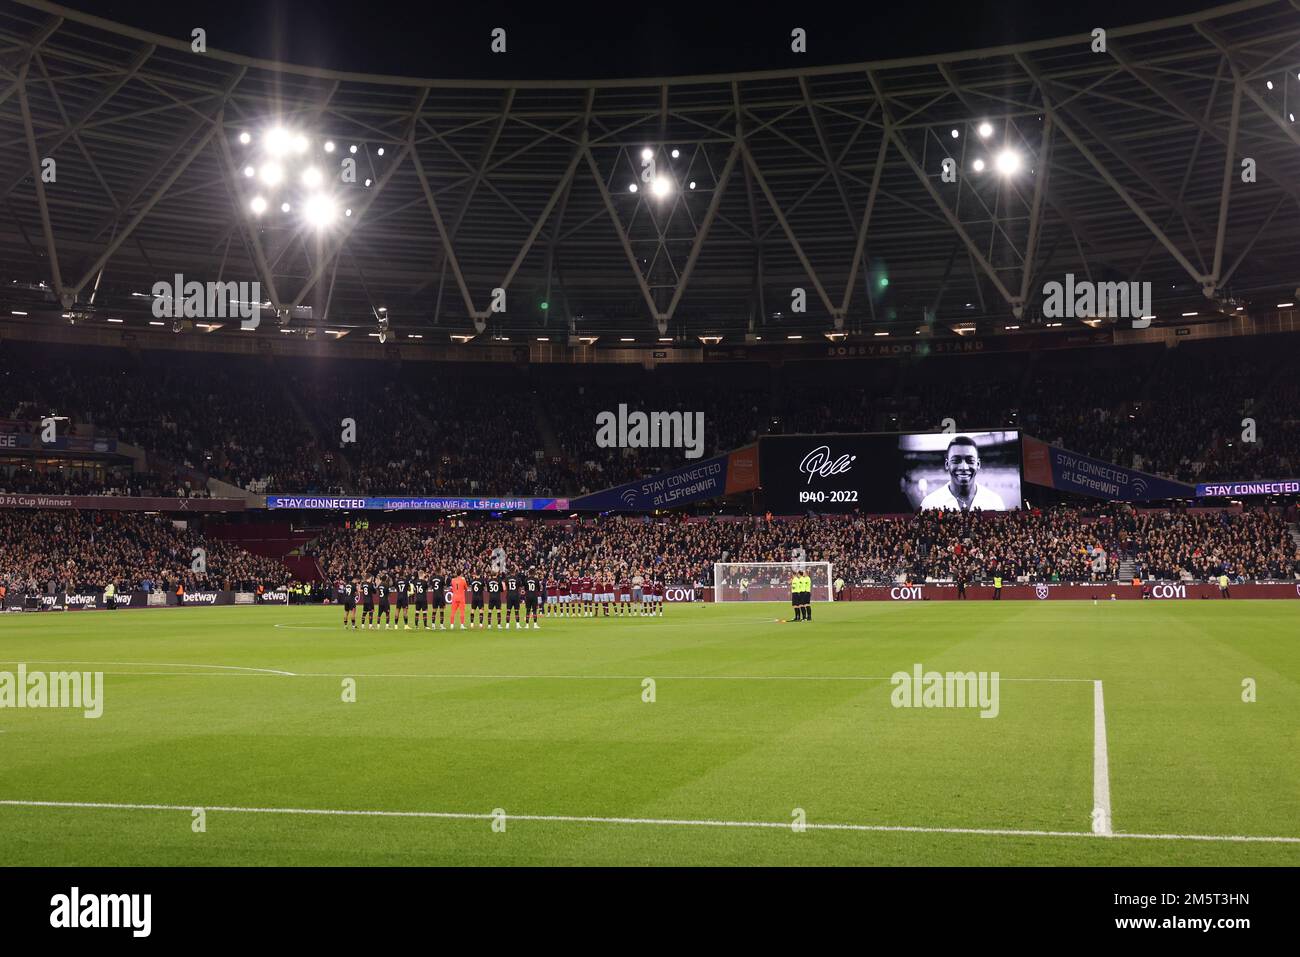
(827, 179)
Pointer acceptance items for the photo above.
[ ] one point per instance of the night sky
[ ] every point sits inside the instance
(434, 38)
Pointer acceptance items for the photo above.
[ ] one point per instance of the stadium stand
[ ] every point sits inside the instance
(1056, 545)
(276, 427)
(76, 551)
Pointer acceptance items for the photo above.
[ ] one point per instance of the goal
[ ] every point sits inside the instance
(768, 581)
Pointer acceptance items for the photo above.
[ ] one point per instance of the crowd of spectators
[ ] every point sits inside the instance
(24, 480)
(1207, 410)
(1055, 545)
(412, 434)
(1249, 545)
(731, 418)
(71, 550)
(228, 419)
(68, 550)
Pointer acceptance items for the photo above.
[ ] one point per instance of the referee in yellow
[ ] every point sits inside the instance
(800, 594)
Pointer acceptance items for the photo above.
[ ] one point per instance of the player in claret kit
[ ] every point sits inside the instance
(575, 594)
(564, 590)
(657, 596)
(552, 596)
(607, 592)
(587, 589)
(477, 586)
(573, 584)
(624, 606)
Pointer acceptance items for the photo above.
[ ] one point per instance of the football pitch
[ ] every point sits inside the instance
(716, 735)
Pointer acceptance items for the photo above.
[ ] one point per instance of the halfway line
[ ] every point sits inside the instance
(1100, 765)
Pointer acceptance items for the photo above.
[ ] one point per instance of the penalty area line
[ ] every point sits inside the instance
(645, 821)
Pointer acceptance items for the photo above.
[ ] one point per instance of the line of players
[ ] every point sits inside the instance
(387, 601)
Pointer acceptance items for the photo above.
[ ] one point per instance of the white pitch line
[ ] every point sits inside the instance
(201, 674)
(648, 673)
(649, 821)
(154, 664)
(263, 672)
(1100, 765)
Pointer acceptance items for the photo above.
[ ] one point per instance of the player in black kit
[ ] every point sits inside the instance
(476, 600)
(438, 586)
(402, 596)
(420, 590)
(348, 598)
(494, 586)
(532, 595)
(368, 604)
(513, 585)
(383, 602)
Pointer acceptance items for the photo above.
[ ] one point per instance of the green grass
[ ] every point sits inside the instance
(453, 734)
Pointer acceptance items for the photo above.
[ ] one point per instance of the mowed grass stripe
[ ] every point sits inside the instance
(798, 718)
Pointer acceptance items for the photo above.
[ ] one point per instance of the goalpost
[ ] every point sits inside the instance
(768, 581)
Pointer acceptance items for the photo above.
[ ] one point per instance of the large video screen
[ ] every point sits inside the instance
(891, 472)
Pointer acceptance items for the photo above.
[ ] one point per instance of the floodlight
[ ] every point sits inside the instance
(320, 210)
(1008, 161)
(276, 140)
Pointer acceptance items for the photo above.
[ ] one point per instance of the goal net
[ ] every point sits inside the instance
(768, 581)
